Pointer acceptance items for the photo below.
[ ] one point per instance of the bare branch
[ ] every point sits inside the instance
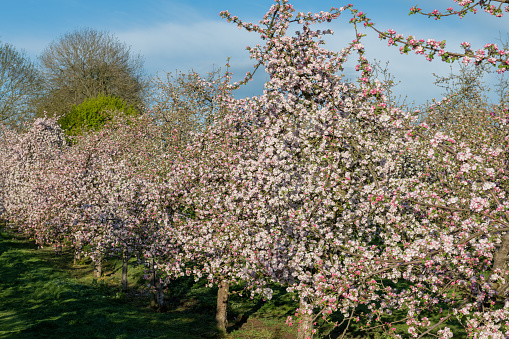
(87, 63)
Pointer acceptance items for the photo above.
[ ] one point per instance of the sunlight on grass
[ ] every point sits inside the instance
(43, 295)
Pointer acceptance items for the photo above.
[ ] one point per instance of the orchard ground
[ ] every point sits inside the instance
(43, 295)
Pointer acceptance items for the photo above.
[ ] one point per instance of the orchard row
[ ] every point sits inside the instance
(322, 186)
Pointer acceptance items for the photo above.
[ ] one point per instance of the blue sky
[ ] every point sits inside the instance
(183, 35)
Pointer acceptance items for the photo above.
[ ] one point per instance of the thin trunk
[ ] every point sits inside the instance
(305, 329)
(124, 271)
(98, 267)
(58, 248)
(157, 296)
(500, 262)
(77, 256)
(153, 277)
(77, 251)
(222, 305)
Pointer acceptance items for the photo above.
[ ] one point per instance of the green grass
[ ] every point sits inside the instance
(43, 295)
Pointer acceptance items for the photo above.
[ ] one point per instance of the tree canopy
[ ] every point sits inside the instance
(19, 86)
(93, 113)
(87, 63)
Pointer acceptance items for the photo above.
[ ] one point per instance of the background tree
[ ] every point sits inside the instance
(19, 86)
(468, 108)
(93, 113)
(86, 63)
(502, 88)
(185, 103)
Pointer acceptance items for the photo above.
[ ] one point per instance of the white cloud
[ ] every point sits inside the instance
(199, 45)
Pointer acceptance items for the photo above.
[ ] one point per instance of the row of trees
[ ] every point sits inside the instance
(359, 208)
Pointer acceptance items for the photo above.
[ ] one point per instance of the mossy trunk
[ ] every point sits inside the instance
(77, 256)
(222, 306)
(98, 267)
(77, 251)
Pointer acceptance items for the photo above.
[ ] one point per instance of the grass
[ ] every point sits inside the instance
(43, 295)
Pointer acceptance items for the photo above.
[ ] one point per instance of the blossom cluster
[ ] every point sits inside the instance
(490, 53)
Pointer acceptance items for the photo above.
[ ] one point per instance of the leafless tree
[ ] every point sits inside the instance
(185, 103)
(469, 108)
(19, 86)
(87, 63)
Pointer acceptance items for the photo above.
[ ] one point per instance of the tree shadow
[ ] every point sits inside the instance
(239, 322)
(39, 299)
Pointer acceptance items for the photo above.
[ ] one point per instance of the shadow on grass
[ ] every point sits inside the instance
(43, 295)
(39, 299)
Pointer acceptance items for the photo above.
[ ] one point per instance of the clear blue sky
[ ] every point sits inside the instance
(180, 35)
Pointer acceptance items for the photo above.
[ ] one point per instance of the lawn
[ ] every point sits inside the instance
(43, 295)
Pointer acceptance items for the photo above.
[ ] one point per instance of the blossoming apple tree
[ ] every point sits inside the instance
(317, 184)
(325, 184)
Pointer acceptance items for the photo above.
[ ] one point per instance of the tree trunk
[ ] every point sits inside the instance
(222, 305)
(305, 329)
(77, 251)
(500, 262)
(124, 271)
(157, 296)
(77, 256)
(58, 248)
(98, 267)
